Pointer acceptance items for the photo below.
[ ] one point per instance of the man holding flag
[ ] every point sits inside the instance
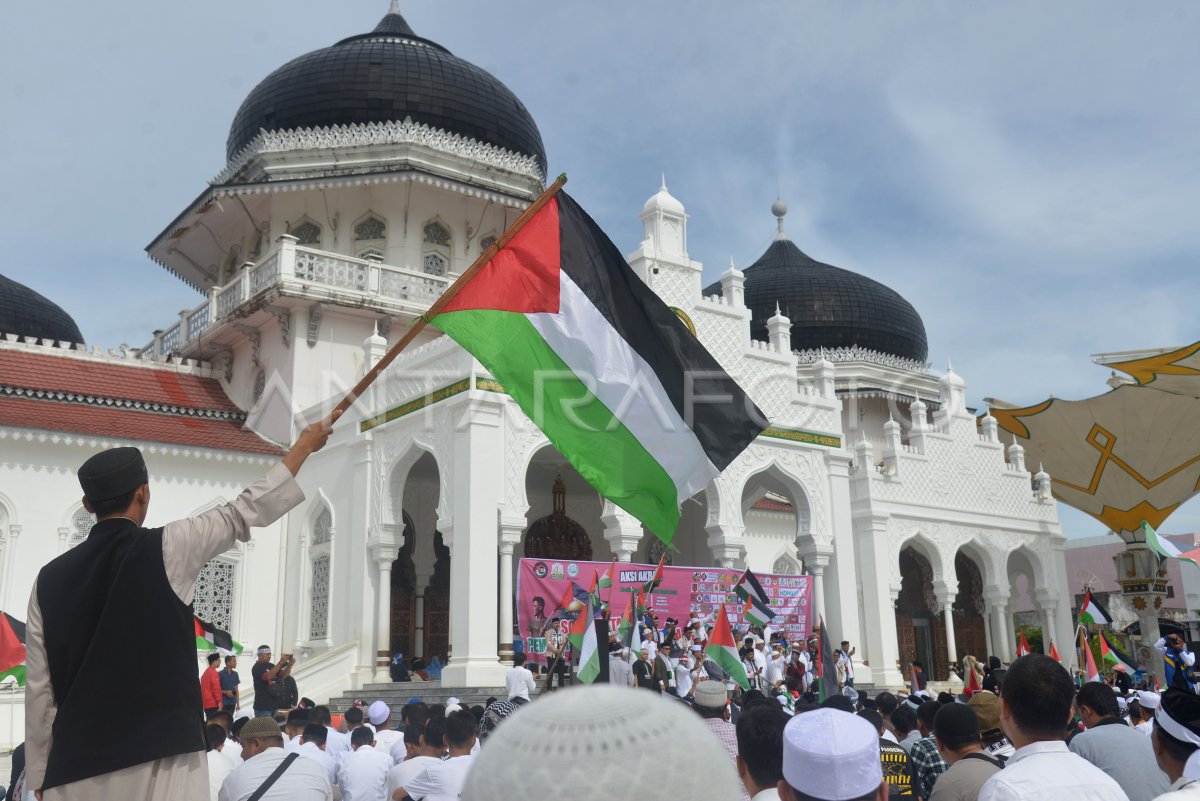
(124, 578)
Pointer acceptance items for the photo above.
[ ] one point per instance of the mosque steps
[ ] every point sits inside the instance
(396, 694)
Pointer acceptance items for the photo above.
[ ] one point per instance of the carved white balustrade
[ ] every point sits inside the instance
(290, 269)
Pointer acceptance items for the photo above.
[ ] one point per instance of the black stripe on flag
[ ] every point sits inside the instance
(722, 416)
(748, 587)
(16, 625)
(1122, 657)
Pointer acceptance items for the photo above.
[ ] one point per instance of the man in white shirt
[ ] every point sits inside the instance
(336, 743)
(312, 746)
(219, 765)
(362, 774)
(620, 672)
(1147, 705)
(444, 781)
(519, 680)
(759, 760)
(775, 665)
(380, 715)
(424, 748)
(1034, 710)
(683, 675)
(262, 752)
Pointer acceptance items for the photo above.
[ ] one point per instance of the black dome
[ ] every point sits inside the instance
(26, 313)
(829, 307)
(383, 76)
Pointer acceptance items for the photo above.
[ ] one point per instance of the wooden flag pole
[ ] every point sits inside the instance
(419, 324)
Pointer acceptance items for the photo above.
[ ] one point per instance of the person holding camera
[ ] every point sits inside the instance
(1177, 660)
(270, 682)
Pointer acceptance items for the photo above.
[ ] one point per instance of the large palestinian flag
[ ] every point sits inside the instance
(617, 383)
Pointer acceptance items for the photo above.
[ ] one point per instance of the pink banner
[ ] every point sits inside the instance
(541, 583)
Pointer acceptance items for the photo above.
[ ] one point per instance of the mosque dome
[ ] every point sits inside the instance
(387, 75)
(829, 307)
(27, 314)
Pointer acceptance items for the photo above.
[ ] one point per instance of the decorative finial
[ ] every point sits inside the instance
(776, 308)
(732, 266)
(949, 365)
(663, 188)
(780, 210)
(395, 9)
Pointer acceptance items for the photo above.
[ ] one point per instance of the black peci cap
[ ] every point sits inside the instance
(112, 473)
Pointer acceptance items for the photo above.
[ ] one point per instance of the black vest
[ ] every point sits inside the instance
(98, 600)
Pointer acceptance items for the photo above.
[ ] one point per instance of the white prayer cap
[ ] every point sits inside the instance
(831, 755)
(453, 701)
(600, 735)
(452, 708)
(378, 712)
(1122, 704)
(1148, 700)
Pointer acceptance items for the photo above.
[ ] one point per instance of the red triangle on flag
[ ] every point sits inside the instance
(12, 650)
(1054, 653)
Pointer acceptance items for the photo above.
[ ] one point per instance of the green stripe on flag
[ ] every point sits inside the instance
(583, 429)
(18, 671)
(1163, 546)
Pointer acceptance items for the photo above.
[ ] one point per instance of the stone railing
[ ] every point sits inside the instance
(290, 269)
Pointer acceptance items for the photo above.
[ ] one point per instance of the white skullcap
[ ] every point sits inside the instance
(598, 737)
(831, 755)
(452, 708)
(1148, 700)
(378, 712)
(453, 701)
(1122, 704)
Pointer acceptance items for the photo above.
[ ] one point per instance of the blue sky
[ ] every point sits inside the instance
(1025, 173)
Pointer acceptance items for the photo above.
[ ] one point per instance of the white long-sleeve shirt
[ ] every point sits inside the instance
(187, 546)
(1048, 771)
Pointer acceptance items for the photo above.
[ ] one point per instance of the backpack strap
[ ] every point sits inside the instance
(274, 777)
(997, 761)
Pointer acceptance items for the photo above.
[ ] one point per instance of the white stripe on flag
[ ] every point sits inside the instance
(622, 380)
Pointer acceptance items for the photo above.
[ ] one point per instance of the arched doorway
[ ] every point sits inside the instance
(557, 536)
(970, 634)
(420, 579)
(919, 630)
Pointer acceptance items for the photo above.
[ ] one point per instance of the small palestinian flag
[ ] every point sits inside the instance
(756, 615)
(1023, 646)
(827, 687)
(627, 621)
(1054, 653)
(1163, 546)
(1112, 654)
(1090, 663)
(573, 600)
(723, 650)
(209, 637)
(580, 627)
(589, 649)
(748, 587)
(606, 579)
(1092, 612)
(559, 300)
(657, 578)
(12, 648)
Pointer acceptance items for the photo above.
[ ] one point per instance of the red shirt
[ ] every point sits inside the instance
(210, 689)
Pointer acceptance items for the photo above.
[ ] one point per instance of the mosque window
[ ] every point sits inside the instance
(81, 526)
(370, 229)
(370, 253)
(322, 528)
(260, 384)
(213, 600)
(785, 565)
(318, 628)
(434, 264)
(437, 234)
(320, 547)
(307, 233)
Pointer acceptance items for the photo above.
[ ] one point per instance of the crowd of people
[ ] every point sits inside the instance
(1034, 735)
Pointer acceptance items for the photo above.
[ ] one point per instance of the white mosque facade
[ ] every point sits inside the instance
(336, 222)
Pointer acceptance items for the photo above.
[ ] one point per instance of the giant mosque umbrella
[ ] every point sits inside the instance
(1128, 456)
